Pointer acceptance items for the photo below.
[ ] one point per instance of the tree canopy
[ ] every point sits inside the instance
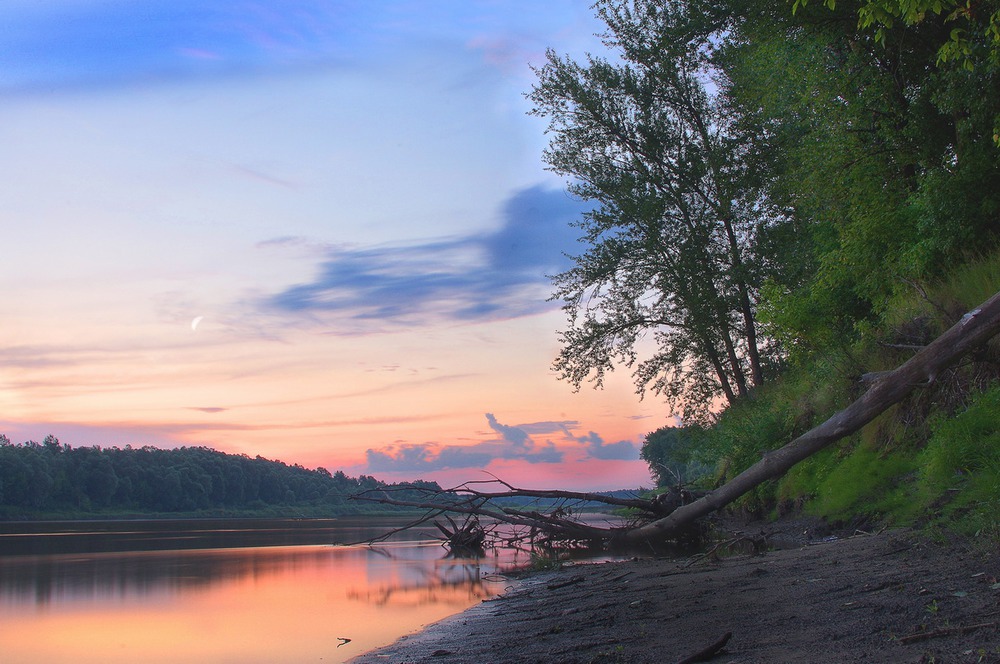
(765, 182)
(56, 478)
(678, 218)
(771, 190)
(670, 453)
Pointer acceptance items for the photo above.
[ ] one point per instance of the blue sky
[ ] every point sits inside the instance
(315, 231)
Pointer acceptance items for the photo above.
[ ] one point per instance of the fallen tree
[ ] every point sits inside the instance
(973, 330)
(668, 521)
(552, 517)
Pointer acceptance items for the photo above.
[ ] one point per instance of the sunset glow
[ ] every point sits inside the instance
(318, 232)
(249, 605)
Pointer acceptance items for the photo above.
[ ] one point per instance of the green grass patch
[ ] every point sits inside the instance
(959, 480)
(931, 460)
(866, 482)
(799, 485)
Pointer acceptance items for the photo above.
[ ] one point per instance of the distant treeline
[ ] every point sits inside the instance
(52, 478)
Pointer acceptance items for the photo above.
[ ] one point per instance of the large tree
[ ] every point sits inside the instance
(881, 150)
(671, 239)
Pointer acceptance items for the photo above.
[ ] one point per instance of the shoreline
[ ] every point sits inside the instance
(886, 597)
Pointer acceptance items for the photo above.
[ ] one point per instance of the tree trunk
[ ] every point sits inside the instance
(713, 356)
(974, 329)
(889, 388)
(734, 360)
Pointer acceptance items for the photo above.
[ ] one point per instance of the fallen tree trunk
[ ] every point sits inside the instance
(974, 329)
(560, 524)
(886, 389)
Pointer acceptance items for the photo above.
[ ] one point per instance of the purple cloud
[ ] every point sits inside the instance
(623, 450)
(514, 444)
(498, 275)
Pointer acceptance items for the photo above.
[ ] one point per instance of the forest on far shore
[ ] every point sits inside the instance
(49, 479)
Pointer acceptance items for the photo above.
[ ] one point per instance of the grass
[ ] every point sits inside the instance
(959, 481)
(545, 562)
(932, 460)
(867, 484)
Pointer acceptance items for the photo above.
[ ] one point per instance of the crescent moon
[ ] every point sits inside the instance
(194, 323)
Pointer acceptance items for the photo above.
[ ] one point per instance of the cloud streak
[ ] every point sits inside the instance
(489, 276)
(623, 450)
(60, 45)
(113, 44)
(513, 444)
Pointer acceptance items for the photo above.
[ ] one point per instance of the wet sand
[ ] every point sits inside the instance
(887, 597)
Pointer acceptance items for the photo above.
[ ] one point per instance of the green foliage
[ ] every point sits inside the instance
(964, 288)
(885, 160)
(924, 311)
(670, 453)
(545, 561)
(800, 484)
(865, 482)
(767, 183)
(960, 467)
(933, 459)
(671, 253)
(965, 25)
(778, 412)
(51, 478)
(853, 152)
(744, 432)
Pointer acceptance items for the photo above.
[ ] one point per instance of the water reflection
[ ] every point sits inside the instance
(255, 604)
(47, 537)
(442, 580)
(44, 579)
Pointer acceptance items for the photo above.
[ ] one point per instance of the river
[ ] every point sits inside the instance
(227, 591)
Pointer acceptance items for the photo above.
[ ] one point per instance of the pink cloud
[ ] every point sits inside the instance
(581, 475)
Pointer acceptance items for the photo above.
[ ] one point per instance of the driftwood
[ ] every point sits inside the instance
(467, 537)
(669, 518)
(557, 522)
(708, 653)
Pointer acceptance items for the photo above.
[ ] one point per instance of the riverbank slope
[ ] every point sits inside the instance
(889, 597)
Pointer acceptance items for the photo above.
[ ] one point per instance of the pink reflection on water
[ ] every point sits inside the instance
(273, 604)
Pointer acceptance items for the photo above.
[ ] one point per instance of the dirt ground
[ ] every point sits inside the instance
(886, 597)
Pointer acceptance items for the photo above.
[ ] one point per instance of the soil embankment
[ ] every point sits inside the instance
(890, 597)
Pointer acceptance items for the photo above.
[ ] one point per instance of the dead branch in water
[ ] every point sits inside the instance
(558, 521)
(666, 519)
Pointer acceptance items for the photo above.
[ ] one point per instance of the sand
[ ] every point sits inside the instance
(886, 597)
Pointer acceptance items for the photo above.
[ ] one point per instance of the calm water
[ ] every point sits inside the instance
(226, 591)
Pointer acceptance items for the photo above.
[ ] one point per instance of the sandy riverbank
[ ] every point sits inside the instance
(890, 597)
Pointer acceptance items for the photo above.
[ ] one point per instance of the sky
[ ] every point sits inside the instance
(312, 230)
